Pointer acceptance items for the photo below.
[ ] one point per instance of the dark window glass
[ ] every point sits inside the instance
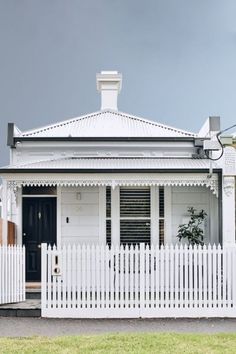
(51, 190)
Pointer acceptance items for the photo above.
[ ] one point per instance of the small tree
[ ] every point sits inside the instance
(192, 232)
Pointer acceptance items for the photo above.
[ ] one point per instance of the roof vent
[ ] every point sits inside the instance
(109, 84)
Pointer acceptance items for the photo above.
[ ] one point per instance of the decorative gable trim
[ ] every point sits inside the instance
(137, 126)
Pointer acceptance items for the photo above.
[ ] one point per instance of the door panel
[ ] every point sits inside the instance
(39, 225)
(47, 220)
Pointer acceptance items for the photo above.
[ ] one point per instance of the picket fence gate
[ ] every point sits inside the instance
(12, 274)
(138, 281)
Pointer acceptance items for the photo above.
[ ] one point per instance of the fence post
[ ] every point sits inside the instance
(233, 277)
(44, 269)
(142, 277)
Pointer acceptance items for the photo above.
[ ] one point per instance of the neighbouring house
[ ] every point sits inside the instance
(110, 177)
(229, 141)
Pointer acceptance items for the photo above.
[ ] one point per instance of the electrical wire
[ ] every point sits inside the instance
(221, 145)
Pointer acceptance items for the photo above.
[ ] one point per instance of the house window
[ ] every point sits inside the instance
(135, 215)
(39, 190)
(161, 216)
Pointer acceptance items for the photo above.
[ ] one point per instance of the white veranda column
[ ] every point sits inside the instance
(154, 216)
(228, 210)
(4, 211)
(115, 216)
(102, 215)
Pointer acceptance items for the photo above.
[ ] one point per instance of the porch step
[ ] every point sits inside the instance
(33, 294)
(33, 291)
(28, 308)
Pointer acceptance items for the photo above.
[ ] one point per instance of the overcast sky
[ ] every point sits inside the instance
(177, 57)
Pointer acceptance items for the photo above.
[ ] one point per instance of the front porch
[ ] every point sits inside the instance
(116, 208)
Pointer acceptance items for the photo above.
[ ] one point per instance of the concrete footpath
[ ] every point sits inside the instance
(18, 327)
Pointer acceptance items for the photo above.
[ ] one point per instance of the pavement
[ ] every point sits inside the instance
(23, 327)
(24, 305)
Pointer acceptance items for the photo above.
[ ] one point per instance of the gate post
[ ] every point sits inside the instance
(234, 277)
(142, 278)
(44, 269)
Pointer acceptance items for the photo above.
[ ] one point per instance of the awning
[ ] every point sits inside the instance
(103, 164)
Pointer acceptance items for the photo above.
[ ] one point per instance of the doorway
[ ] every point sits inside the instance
(39, 226)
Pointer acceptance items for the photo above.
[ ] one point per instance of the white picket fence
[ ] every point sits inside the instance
(100, 282)
(12, 274)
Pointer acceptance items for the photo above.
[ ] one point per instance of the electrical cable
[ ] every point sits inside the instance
(221, 145)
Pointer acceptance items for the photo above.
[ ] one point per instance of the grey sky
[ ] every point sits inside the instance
(177, 57)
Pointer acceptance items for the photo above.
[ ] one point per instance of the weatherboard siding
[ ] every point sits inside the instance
(199, 198)
(83, 215)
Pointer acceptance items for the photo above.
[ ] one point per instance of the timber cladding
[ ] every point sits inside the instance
(11, 231)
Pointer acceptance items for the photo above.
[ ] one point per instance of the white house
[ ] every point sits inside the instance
(111, 177)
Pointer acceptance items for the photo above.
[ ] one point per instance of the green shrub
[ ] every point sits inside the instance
(192, 231)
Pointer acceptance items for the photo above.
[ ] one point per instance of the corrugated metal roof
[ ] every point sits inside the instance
(107, 123)
(118, 163)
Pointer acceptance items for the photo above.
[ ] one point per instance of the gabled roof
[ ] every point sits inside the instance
(106, 123)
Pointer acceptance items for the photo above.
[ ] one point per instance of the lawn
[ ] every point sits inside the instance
(120, 343)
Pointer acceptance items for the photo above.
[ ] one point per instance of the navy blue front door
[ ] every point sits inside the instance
(39, 225)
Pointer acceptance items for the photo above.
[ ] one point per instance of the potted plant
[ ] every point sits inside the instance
(192, 231)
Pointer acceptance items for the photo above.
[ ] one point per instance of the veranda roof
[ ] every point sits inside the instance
(76, 163)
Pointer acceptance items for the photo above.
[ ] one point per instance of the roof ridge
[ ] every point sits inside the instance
(93, 114)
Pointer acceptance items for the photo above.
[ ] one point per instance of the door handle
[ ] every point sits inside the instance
(39, 246)
(24, 234)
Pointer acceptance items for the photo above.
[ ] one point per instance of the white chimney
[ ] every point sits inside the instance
(109, 84)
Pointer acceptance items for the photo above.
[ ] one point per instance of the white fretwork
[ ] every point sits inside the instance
(151, 179)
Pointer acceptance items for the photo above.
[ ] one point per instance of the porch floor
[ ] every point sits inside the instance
(31, 307)
(28, 308)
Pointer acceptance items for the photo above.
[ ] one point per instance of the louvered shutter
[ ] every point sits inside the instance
(108, 215)
(161, 216)
(135, 215)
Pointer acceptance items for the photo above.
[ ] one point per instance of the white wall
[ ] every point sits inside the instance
(83, 215)
(199, 198)
(28, 152)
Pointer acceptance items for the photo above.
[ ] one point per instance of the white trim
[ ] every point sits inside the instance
(154, 215)
(115, 216)
(19, 231)
(4, 211)
(113, 180)
(168, 214)
(9, 200)
(102, 215)
(58, 211)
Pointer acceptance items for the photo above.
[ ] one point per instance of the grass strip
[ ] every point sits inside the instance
(123, 343)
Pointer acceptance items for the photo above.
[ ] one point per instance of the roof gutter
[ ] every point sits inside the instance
(69, 138)
(111, 170)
